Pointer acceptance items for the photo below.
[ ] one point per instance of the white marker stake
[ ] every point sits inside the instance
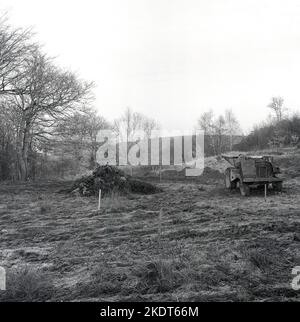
(2, 279)
(265, 192)
(99, 201)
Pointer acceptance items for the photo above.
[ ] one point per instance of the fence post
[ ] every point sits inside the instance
(265, 192)
(99, 200)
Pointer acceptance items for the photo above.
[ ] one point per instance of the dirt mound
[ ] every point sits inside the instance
(216, 163)
(209, 173)
(111, 179)
(289, 164)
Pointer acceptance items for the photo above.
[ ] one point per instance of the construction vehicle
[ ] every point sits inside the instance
(251, 171)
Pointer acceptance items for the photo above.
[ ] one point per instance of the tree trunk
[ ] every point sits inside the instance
(93, 153)
(22, 166)
(23, 142)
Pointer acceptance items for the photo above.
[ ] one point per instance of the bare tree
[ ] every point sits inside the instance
(232, 125)
(216, 129)
(43, 95)
(7, 143)
(220, 132)
(206, 123)
(79, 132)
(149, 125)
(94, 123)
(127, 125)
(277, 106)
(14, 50)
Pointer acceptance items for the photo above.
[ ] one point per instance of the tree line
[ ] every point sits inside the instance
(34, 94)
(49, 127)
(221, 131)
(280, 130)
(47, 120)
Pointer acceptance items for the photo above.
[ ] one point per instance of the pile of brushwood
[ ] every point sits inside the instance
(110, 180)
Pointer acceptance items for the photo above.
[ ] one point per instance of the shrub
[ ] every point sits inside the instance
(158, 276)
(104, 280)
(27, 285)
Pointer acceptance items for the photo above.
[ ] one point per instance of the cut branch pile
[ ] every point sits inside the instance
(111, 179)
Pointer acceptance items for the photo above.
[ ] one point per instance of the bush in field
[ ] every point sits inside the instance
(158, 276)
(104, 280)
(27, 285)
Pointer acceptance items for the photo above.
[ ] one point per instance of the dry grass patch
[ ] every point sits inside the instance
(27, 285)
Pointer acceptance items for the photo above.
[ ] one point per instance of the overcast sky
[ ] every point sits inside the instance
(174, 59)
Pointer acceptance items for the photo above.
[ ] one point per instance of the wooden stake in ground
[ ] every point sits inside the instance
(160, 255)
(99, 200)
(2, 279)
(159, 228)
(265, 192)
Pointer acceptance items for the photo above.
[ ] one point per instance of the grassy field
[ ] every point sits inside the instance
(194, 241)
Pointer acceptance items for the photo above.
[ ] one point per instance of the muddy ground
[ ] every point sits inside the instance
(195, 241)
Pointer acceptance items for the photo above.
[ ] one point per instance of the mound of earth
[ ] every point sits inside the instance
(111, 179)
(289, 164)
(210, 173)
